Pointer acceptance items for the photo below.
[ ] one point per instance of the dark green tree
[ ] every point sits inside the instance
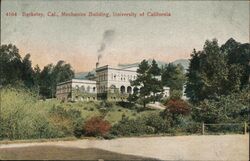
(217, 71)
(207, 73)
(173, 76)
(238, 56)
(148, 83)
(27, 71)
(52, 75)
(46, 79)
(10, 64)
(61, 72)
(143, 82)
(156, 84)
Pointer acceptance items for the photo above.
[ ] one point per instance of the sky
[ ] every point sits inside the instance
(80, 40)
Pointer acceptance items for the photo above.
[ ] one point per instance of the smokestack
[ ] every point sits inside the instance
(97, 65)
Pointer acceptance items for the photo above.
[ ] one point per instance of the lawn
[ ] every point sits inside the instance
(113, 113)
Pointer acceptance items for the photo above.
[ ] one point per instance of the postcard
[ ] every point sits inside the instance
(124, 80)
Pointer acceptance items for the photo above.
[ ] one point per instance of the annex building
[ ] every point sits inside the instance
(107, 83)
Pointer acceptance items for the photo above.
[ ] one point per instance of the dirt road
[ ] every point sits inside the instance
(208, 147)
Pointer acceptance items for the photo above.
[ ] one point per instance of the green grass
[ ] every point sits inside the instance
(23, 116)
(90, 109)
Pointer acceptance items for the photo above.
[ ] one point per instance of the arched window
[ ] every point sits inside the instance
(112, 88)
(82, 88)
(93, 89)
(88, 88)
(129, 90)
(122, 89)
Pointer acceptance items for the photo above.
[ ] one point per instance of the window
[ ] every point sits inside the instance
(93, 89)
(122, 89)
(112, 88)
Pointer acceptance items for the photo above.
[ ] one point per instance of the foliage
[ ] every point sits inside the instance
(149, 124)
(13, 67)
(130, 127)
(173, 76)
(96, 126)
(21, 117)
(177, 107)
(65, 120)
(217, 71)
(51, 75)
(230, 108)
(147, 82)
(155, 121)
(175, 94)
(17, 70)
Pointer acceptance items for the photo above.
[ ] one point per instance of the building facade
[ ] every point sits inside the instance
(76, 90)
(109, 83)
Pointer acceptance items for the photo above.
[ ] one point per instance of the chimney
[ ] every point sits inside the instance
(97, 64)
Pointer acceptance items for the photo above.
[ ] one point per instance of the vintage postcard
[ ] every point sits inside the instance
(124, 80)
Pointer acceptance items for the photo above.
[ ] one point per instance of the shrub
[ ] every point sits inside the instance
(132, 127)
(155, 121)
(176, 107)
(106, 104)
(66, 121)
(124, 104)
(96, 126)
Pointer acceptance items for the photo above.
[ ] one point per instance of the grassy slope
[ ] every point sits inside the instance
(90, 109)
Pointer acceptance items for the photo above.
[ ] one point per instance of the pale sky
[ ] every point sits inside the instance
(78, 39)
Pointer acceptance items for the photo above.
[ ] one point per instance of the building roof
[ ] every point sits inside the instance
(78, 81)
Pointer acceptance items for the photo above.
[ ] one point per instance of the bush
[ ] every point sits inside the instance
(66, 121)
(96, 126)
(155, 121)
(132, 127)
(22, 116)
(231, 108)
(176, 107)
(106, 104)
(124, 104)
(150, 124)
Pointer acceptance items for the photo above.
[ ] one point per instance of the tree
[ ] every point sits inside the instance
(173, 77)
(27, 71)
(147, 82)
(156, 85)
(11, 64)
(60, 73)
(51, 75)
(46, 81)
(143, 81)
(238, 55)
(217, 71)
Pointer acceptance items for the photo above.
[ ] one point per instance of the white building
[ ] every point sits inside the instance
(77, 90)
(109, 83)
